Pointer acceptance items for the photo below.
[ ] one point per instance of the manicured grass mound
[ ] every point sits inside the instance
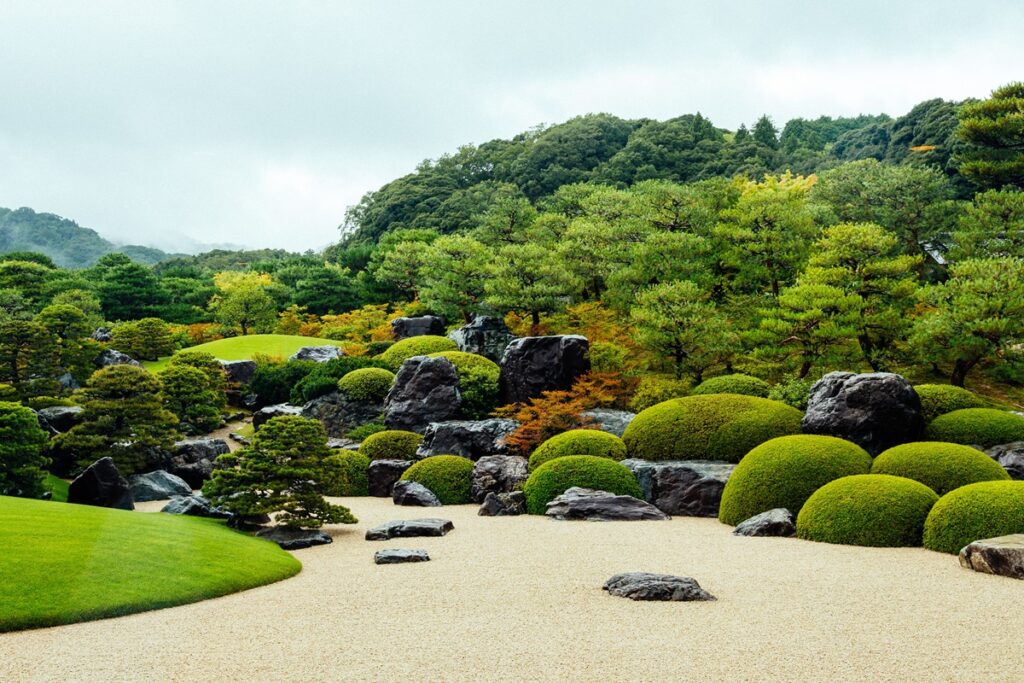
(977, 427)
(244, 348)
(784, 472)
(939, 399)
(876, 510)
(741, 384)
(554, 477)
(367, 384)
(416, 346)
(448, 476)
(940, 466)
(351, 474)
(478, 381)
(391, 444)
(578, 442)
(974, 512)
(713, 427)
(65, 563)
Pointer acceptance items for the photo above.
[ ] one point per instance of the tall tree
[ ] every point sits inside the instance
(528, 278)
(29, 358)
(995, 130)
(21, 457)
(243, 301)
(454, 277)
(993, 225)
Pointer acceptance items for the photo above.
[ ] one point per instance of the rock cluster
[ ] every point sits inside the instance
(59, 419)
(239, 371)
(497, 474)
(261, 416)
(193, 459)
(610, 420)
(471, 439)
(382, 475)
(1009, 455)
(194, 505)
(341, 414)
(294, 539)
(110, 357)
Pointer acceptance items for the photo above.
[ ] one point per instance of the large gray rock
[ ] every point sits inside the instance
(408, 528)
(1009, 455)
(497, 474)
(403, 328)
(692, 488)
(647, 586)
(102, 334)
(425, 390)
(101, 485)
(400, 556)
(59, 419)
(341, 414)
(471, 439)
(485, 336)
(579, 503)
(382, 475)
(110, 357)
(1003, 555)
(157, 485)
(239, 371)
(294, 539)
(260, 417)
(318, 354)
(533, 365)
(610, 420)
(503, 504)
(68, 382)
(414, 494)
(876, 410)
(193, 459)
(194, 505)
(776, 522)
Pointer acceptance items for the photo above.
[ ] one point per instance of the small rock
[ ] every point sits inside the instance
(503, 504)
(194, 505)
(414, 493)
(1003, 556)
(110, 357)
(777, 522)
(60, 419)
(101, 485)
(269, 412)
(398, 556)
(647, 586)
(102, 334)
(239, 371)
(294, 539)
(318, 354)
(157, 485)
(497, 474)
(485, 336)
(579, 503)
(382, 475)
(609, 420)
(407, 528)
(238, 438)
(417, 326)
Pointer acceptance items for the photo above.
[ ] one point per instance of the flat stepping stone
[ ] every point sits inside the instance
(1003, 556)
(294, 539)
(408, 528)
(776, 522)
(399, 556)
(647, 586)
(579, 503)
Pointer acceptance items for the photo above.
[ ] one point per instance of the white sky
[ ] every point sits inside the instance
(258, 122)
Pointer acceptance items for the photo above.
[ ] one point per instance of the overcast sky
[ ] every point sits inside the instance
(257, 123)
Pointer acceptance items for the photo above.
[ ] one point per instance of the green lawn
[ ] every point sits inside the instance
(58, 487)
(64, 563)
(244, 348)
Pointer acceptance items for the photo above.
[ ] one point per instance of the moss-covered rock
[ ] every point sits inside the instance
(555, 477)
(449, 477)
(939, 399)
(975, 512)
(391, 444)
(578, 442)
(940, 466)
(415, 346)
(744, 385)
(478, 382)
(366, 384)
(977, 427)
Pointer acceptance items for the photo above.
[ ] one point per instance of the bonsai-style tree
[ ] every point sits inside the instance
(145, 339)
(21, 458)
(29, 358)
(187, 393)
(287, 470)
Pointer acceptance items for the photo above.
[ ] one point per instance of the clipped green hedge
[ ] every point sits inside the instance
(415, 346)
(939, 399)
(478, 382)
(983, 427)
(877, 510)
(578, 442)
(391, 444)
(974, 512)
(940, 466)
(744, 385)
(448, 476)
(713, 427)
(349, 474)
(554, 477)
(784, 472)
(367, 384)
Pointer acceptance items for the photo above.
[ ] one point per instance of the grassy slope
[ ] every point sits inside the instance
(64, 563)
(243, 348)
(58, 487)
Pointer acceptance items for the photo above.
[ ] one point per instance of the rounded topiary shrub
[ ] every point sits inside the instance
(876, 510)
(745, 385)
(348, 474)
(478, 382)
(366, 384)
(975, 512)
(554, 477)
(713, 427)
(391, 444)
(579, 442)
(939, 399)
(940, 466)
(977, 427)
(416, 346)
(448, 476)
(784, 472)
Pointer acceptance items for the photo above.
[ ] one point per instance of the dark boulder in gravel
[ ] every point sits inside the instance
(497, 474)
(691, 488)
(647, 586)
(414, 494)
(400, 556)
(294, 539)
(510, 504)
(1003, 556)
(408, 528)
(382, 475)
(579, 503)
(533, 365)
(425, 390)
(469, 438)
(157, 485)
(102, 485)
(776, 522)
(418, 326)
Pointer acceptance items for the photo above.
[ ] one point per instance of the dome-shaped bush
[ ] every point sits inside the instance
(478, 381)
(714, 427)
(391, 444)
(876, 510)
(415, 346)
(975, 512)
(348, 474)
(940, 466)
(555, 477)
(939, 399)
(977, 427)
(744, 385)
(448, 476)
(366, 384)
(579, 442)
(784, 472)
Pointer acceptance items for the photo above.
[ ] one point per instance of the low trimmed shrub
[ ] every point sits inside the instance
(654, 389)
(448, 476)
(974, 512)
(324, 377)
(423, 345)
(939, 399)
(877, 510)
(578, 442)
(983, 427)
(273, 382)
(555, 477)
(744, 385)
(349, 470)
(784, 472)
(366, 384)
(391, 444)
(713, 427)
(478, 382)
(940, 466)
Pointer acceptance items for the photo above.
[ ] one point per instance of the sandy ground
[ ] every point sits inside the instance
(520, 599)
